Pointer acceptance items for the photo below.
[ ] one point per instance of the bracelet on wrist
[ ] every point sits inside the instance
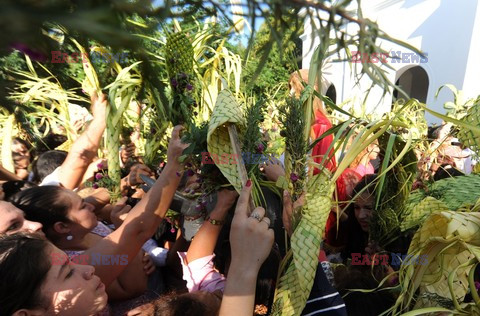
(214, 221)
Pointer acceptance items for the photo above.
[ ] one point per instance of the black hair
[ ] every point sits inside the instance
(175, 304)
(50, 142)
(44, 204)
(363, 277)
(10, 188)
(434, 132)
(357, 239)
(446, 171)
(47, 163)
(24, 264)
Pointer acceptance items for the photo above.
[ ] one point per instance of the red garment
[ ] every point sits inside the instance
(320, 126)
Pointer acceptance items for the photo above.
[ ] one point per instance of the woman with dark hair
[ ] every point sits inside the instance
(21, 157)
(68, 220)
(360, 213)
(38, 279)
(12, 220)
(11, 188)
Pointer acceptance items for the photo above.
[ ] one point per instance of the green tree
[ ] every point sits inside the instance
(279, 63)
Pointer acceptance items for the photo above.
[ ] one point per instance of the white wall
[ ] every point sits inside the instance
(447, 30)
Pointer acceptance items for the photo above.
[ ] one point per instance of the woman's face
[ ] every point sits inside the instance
(81, 212)
(12, 220)
(364, 206)
(20, 155)
(72, 289)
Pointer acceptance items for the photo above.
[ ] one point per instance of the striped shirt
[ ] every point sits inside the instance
(324, 299)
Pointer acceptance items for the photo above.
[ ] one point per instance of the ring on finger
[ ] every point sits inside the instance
(256, 216)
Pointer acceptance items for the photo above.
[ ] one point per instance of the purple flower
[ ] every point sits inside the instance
(172, 230)
(174, 82)
(293, 177)
(189, 87)
(95, 186)
(190, 173)
(27, 51)
(260, 148)
(100, 166)
(178, 174)
(98, 176)
(182, 76)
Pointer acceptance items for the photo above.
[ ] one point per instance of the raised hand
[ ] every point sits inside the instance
(99, 106)
(250, 237)
(175, 146)
(135, 172)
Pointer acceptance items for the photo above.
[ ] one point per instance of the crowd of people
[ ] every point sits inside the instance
(64, 249)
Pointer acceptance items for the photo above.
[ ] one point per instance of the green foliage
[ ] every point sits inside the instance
(253, 142)
(281, 62)
(292, 118)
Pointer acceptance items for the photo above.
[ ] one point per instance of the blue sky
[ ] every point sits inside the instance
(244, 37)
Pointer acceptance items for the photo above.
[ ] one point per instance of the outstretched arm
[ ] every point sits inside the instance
(206, 238)
(143, 220)
(85, 148)
(251, 241)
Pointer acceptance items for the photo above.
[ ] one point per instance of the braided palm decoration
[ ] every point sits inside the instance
(447, 194)
(296, 283)
(179, 55)
(448, 245)
(226, 111)
(121, 92)
(468, 137)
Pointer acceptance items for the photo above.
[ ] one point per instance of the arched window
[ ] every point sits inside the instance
(332, 93)
(414, 82)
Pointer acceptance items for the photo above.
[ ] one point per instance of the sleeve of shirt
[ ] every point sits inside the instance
(324, 299)
(201, 275)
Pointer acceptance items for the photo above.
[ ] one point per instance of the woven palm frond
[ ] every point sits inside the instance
(393, 188)
(121, 93)
(226, 111)
(178, 54)
(421, 211)
(448, 245)
(469, 137)
(296, 283)
(455, 192)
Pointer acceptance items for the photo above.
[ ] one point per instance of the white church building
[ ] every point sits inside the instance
(447, 31)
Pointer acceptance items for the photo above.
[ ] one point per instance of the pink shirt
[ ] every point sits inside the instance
(201, 275)
(364, 170)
